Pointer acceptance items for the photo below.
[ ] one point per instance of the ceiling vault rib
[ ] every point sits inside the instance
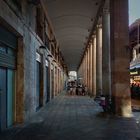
(68, 27)
(72, 15)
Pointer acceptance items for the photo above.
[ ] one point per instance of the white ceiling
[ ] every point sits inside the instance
(72, 21)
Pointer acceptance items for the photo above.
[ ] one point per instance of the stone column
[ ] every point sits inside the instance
(84, 70)
(57, 80)
(88, 68)
(120, 78)
(99, 60)
(91, 68)
(94, 66)
(106, 70)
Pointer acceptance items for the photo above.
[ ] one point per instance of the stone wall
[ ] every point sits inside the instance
(22, 22)
(23, 25)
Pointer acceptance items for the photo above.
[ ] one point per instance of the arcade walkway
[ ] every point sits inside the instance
(74, 118)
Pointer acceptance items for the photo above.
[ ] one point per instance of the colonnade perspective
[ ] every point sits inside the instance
(34, 63)
(104, 68)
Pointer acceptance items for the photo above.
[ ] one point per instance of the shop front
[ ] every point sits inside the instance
(135, 83)
(135, 75)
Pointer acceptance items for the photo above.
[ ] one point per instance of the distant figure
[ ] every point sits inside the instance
(79, 89)
(86, 90)
(74, 90)
(69, 88)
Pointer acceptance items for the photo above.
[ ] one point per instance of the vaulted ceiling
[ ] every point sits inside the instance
(72, 21)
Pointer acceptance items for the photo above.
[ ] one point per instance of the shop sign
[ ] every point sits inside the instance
(136, 77)
(134, 73)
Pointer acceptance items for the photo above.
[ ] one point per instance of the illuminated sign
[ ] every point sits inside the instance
(136, 77)
(134, 73)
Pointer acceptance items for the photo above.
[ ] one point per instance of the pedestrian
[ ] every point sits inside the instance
(79, 89)
(86, 90)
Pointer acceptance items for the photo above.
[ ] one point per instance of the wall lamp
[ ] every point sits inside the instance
(49, 55)
(42, 47)
(54, 60)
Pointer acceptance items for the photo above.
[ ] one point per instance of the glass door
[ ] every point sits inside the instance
(10, 97)
(2, 98)
(7, 76)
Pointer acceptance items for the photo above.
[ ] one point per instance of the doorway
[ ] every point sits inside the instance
(7, 77)
(52, 83)
(47, 85)
(3, 86)
(7, 98)
(38, 86)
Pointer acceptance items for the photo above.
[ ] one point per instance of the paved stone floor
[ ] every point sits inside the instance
(136, 109)
(74, 118)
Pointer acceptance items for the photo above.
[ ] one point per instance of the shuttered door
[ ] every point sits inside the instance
(8, 46)
(2, 98)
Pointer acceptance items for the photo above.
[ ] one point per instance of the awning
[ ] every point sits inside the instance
(135, 66)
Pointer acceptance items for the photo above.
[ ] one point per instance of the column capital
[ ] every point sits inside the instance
(88, 47)
(93, 36)
(99, 26)
(94, 39)
(90, 41)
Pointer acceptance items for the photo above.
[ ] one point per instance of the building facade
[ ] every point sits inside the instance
(135, 51)
(32, 69)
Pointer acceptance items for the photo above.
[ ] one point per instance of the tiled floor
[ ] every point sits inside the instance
(74, 118)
